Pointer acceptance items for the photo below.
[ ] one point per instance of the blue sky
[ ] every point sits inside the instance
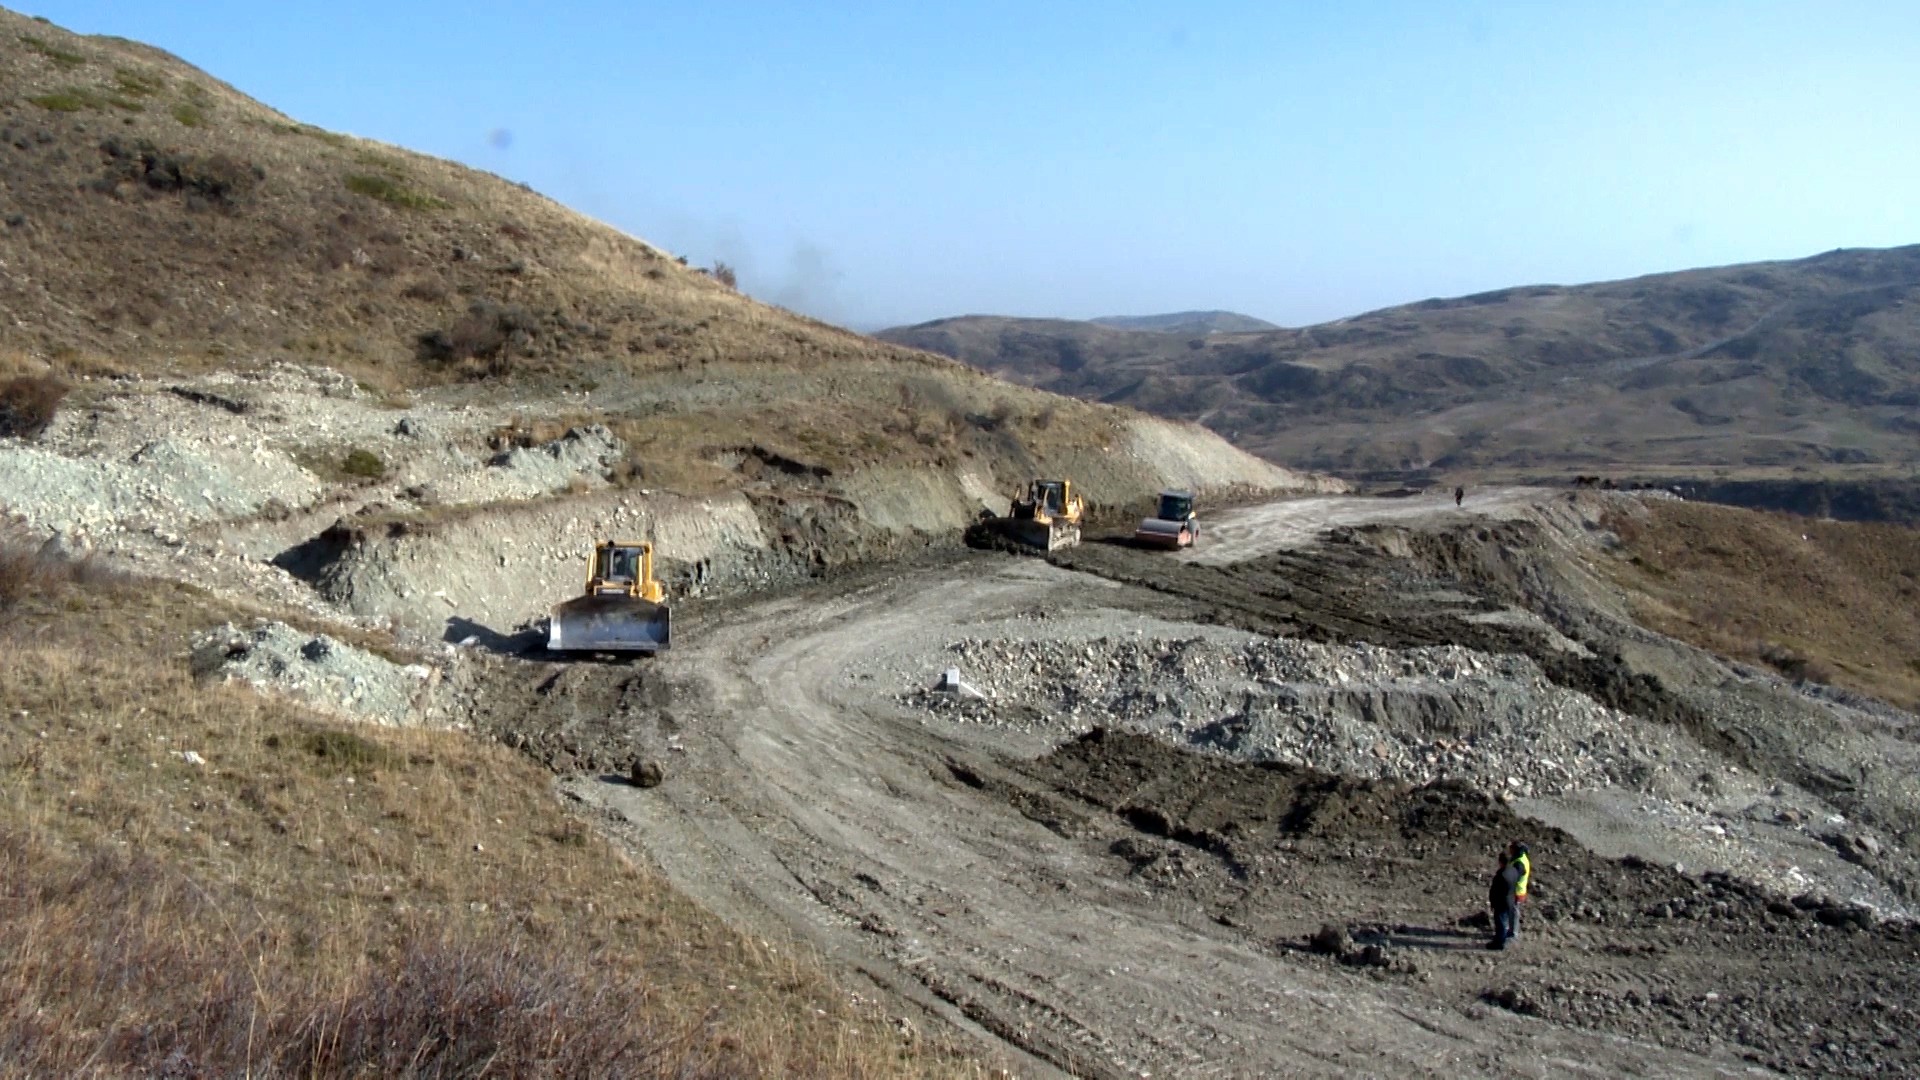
(874, 164)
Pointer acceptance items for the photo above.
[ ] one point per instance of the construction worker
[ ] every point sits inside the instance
(1517, 855)
(1503, 894)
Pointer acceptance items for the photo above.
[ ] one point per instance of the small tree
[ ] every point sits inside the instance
(723, 273)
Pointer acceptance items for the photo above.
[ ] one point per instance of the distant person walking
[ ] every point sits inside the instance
(1505, 892)
(1459, 495)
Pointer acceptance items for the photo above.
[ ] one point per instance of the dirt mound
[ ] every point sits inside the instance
(324, 673)
(1163, 791)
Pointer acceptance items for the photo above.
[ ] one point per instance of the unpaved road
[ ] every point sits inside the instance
(799, 805)
(1248, 532)
(1122, 908)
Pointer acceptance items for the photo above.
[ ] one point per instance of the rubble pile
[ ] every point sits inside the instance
(321, 671)
(1415, 714)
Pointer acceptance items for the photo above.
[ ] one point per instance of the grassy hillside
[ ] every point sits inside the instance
(151, 211)
(156, 220)
(1835, 602)
(1814, 362)
(203, 881)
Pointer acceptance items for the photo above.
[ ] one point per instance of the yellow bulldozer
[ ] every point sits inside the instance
(1045, 517)
(622, 609)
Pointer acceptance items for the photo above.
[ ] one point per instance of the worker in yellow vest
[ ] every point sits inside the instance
(1508, 891)
(1517, 854)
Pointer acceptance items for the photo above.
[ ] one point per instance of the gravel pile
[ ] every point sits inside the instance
(583, 456)
(1416, 715)
(318, 670)
(167, 484)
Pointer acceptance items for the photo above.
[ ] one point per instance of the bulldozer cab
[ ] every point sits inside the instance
(615, 564)
(1175, 506)
(624, 568)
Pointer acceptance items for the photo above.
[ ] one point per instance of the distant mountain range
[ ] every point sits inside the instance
(1806, 363)
(1188, 322)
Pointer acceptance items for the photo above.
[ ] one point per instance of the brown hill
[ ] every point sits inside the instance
(158, 220)
(1188, 322)
(1811, 362)
(152, 211)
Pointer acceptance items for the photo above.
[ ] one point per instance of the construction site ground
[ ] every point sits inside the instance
(1231, 812)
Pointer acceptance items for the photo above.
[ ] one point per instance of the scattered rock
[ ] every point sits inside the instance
(1331, 939)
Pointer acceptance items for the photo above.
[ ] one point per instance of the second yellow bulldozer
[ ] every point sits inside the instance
(623, 608)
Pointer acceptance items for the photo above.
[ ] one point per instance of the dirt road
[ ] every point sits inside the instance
(1118, 906)
(1248, 532)
(803, 804)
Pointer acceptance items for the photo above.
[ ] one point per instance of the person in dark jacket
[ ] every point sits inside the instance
(1516, 854)
(1503, 895)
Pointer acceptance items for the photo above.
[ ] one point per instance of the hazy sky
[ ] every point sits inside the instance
(877, 163)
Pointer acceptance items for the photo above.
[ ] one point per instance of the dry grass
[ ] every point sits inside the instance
(319, 246)
(305, 899)
(172, 247)
(1835, 602)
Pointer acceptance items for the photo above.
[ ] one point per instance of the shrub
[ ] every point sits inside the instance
(189, 114)
(62, 58)
(486, 332)
(343, 751)
(27, 404)
(137, 84)
(72, 99)
(724, 274)
(363, 463)
(394, 192)
(215, 178)
(429, 290)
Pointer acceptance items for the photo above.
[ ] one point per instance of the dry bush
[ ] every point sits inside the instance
(27, 569)
(364, 464)
(117, 964)
(27, 404)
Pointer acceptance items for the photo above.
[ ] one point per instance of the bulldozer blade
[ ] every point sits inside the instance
(609, 624)
(1037, 535)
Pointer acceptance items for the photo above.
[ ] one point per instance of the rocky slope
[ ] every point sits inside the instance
(1813, 362)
